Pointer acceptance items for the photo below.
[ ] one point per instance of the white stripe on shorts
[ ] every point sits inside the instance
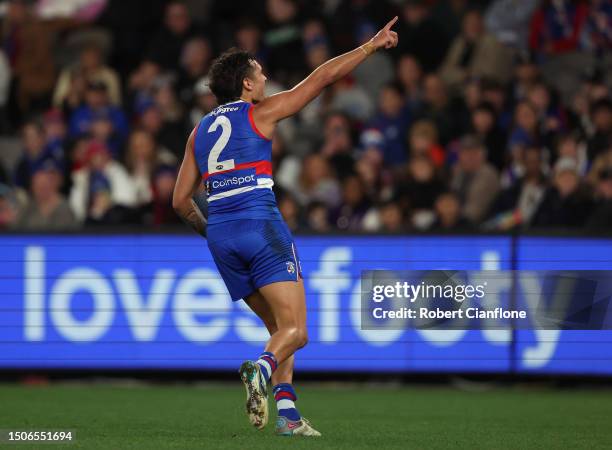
(297, 265)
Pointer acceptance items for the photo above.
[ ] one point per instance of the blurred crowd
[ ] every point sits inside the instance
(489, 115)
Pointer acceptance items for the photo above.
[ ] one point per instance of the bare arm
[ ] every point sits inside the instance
(284, 104)
(187, 184)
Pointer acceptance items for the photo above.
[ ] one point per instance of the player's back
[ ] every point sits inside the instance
(235, 161)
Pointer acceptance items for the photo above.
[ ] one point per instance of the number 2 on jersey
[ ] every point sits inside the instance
(226, 130)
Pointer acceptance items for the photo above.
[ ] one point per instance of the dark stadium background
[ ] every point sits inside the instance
(482, 142)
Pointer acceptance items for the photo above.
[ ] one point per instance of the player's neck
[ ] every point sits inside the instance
(246, 98)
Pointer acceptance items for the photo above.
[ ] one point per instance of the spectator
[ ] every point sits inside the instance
(376, 179)
(283, 40)
(195, 62)
(248, 37)
(420, 190)
(142, 160)
(475, 181)
(351, 214)
(102, 190)
(204, 102)
(517, 204)
(36, 150)
(169, 137)
(550, 116)
(317, 218)
(601, 217)
(391, 218)
(525, 133)
(526, 74)
(9, 208)
(338, 144)
(556, 26)
(597, 33)
(554, 38)
(602, 162)
(485, 127)
(472, 94)
(98, 107)
(47, 209)
(55, 128)
(448, 14)
(89, 68)
(175, 128)
(166, 45)
(141, 83)
(423, 141)
(601, 137)
(509, 21)
(495, 94)
(316, 183)
(567, 203)
(475, 53)
(417, 27)
(290, 211)
(392, 118)
(568, 146)
(29, 43)
(164, 180)
(448, 214)
(410, 75)
(437, 106)
(351, 99)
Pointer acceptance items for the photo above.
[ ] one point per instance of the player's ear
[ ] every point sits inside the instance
(247, 84)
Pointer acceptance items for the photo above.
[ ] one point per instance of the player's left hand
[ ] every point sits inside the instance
(386, 38)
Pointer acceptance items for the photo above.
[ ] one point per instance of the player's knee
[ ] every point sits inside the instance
(297, 336)
(302, 339)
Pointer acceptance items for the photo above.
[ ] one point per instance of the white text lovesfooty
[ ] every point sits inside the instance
(234, 181)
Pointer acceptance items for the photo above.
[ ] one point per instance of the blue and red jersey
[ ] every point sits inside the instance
(235, 161)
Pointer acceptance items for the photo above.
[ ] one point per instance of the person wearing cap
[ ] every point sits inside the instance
(47, 209)
(568, 202)
(474, 180)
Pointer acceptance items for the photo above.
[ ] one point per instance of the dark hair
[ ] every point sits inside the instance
(486, 107)
(227, 73)
(395, 86)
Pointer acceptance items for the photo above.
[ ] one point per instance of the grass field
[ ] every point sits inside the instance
(211, 417)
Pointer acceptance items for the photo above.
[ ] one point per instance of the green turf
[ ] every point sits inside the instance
(211, 417)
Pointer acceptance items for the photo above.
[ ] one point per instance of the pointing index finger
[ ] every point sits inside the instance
(391, 23)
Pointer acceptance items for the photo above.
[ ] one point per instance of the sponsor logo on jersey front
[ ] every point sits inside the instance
(233, 181)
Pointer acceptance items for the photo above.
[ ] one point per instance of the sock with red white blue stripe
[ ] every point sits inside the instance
(285, 398)
(267, 363)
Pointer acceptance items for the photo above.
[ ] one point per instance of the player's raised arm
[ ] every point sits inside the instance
(188, 181)
(284, 104)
